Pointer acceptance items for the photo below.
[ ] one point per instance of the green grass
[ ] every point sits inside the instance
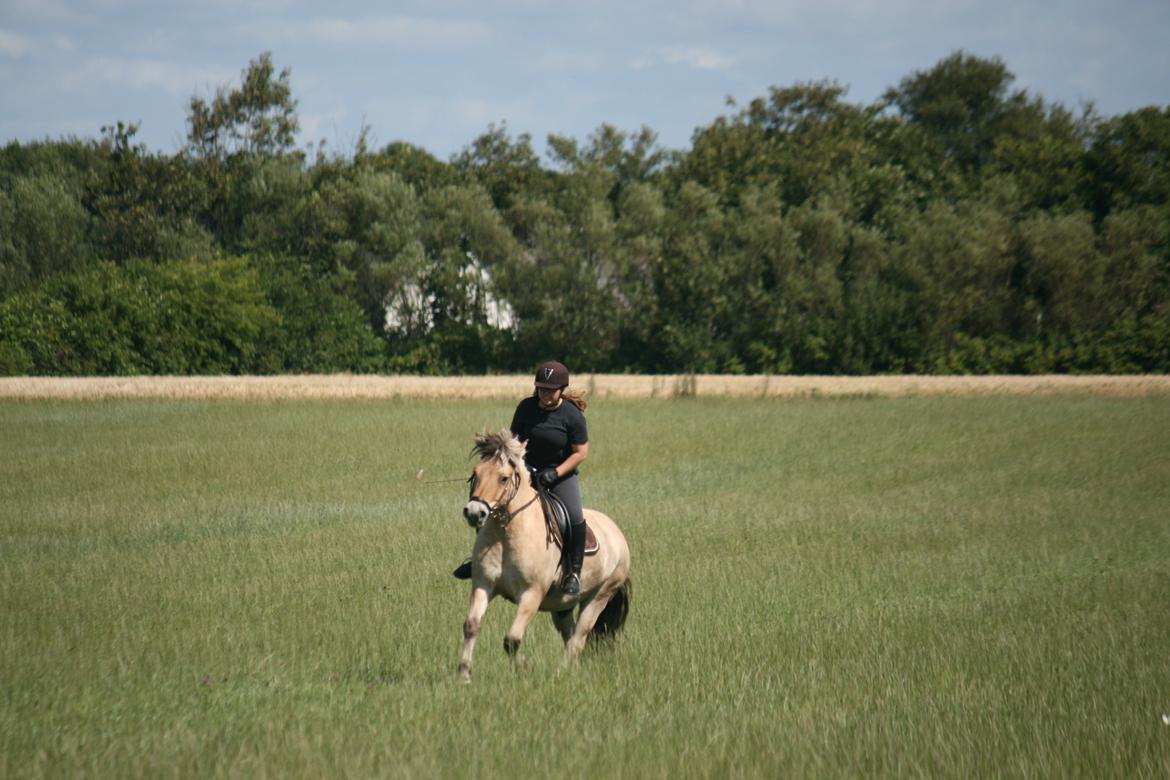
(949, 587)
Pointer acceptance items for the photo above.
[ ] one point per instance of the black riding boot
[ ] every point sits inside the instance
(572, 585)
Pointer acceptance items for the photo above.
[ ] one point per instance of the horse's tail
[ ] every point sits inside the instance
(613, 617)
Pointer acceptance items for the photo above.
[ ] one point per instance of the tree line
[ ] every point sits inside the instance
(956, 225)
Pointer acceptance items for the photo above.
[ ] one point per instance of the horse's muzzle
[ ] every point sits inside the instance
(476, 513)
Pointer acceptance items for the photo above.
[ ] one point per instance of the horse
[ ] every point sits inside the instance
(515, 557)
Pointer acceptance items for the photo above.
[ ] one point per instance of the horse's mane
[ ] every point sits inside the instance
(501, 446)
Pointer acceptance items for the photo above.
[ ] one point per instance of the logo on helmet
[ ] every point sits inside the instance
(548, 372)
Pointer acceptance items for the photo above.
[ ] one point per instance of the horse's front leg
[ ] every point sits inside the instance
(479, 604)
(526, 610)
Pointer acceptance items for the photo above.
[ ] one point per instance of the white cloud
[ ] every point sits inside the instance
(16, 46)
(37, 11)
(693, 57)
(771, 11)
(574, 61)
(406, 31)
(786, 12)
(440, 124)
(1087, 77)
(699, 58)
(172, 78)
(311, 125)
(477, 113)
(13, 45)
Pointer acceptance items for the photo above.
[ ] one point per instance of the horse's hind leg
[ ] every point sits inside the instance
(564, 623)
(585, 622)
(479, 605)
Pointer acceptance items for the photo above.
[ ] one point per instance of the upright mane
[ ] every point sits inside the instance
(500, 446)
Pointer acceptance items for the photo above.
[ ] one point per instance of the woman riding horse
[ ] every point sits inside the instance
(516, 556)
(557, 442)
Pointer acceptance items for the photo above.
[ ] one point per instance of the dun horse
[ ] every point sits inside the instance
(515, 557)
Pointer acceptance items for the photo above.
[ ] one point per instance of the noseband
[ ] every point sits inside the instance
(500, 510)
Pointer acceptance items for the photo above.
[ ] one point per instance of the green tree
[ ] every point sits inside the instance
(378, 245)
(320, 330)
(959, 224)
(640, 241)
(1045, 159)
(583, 288)
(452, 314)
(142, 318)
(963, 106)
(415, 166)
(1136, 246)
(626, 158)
(258, 119)
(1063, 274)
(1129, 161)
(280, 205)
(795, 140)
(236, 133)
(145, 206)
(957, 261)
(43, 231)
(693, 286)
(507, 169)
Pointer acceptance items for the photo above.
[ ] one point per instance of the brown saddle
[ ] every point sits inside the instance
(556, 518)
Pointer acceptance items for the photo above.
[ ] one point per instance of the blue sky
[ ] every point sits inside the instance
(437, 73)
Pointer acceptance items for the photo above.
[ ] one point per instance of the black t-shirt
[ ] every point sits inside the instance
(549, 435)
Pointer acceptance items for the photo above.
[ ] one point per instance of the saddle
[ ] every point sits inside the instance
(556, 523)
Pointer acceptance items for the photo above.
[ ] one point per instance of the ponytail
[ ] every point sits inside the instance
(576, 398)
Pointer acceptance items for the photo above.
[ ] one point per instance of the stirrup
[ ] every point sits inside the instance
(571, 585)
(462, 571)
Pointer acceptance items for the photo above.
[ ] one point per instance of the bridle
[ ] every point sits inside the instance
(500, 510)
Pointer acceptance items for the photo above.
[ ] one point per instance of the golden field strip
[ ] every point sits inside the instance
(365, 387)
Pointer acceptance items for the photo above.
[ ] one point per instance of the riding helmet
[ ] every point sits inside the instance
(552, 375)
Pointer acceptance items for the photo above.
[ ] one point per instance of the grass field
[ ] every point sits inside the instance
(869, 586)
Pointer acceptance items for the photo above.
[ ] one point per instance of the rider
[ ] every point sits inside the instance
(550, 422)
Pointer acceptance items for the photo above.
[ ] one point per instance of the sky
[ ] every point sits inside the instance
(436, 74)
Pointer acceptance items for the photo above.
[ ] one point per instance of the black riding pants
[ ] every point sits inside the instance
(569, 491)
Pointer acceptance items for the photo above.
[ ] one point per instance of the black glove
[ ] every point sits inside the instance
(546, 478)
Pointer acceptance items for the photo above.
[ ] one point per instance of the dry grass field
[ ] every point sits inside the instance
(364, 387)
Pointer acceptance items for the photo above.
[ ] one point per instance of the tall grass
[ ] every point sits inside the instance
(899, 587)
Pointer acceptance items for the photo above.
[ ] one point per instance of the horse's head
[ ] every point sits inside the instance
(497, 478)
